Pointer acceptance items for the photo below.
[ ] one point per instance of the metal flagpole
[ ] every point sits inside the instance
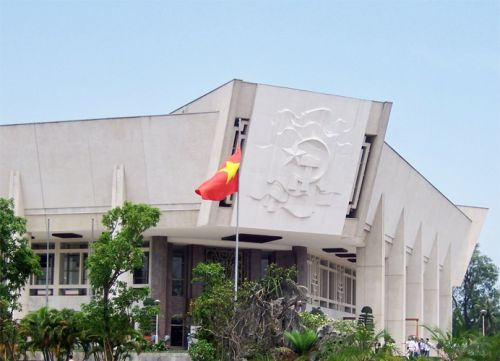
(237, 220)
(47, 260)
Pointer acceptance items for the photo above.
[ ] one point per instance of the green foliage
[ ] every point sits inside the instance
(466, 347)
(202, 350)
(253, 323)
(312, 321)
(302, 342)
(17, 262)
(115, 308)
(448, 347)
(357, 342)
(214, 308)
(478, 292)
(275, 277)
(484, 348)
(56, 333)
(119, 249)
(158, 347)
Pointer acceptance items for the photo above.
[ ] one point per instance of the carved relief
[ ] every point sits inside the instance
(301, 149)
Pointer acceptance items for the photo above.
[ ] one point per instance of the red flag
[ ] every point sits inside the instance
(224, 182)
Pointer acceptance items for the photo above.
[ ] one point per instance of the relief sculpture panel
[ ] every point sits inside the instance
(300, 160)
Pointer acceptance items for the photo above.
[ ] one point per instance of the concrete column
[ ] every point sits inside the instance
(196, 255)
(445, 294)
(118, 197)
(370, 269)
(395, 280)
(159, 270)
(118, 187)
(301, 263)
(285, 259)
(415, 286)
(254, 269)
(16, 194)
(431, 288)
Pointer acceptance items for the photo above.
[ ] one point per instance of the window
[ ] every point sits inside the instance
(141, 275)
(85, 271)
(178, 273)
(69, 269)
(265, 261)
(360, 174)
(331, 285)
(40, 280)
(42, 246)
(74, 245)
(240, 136)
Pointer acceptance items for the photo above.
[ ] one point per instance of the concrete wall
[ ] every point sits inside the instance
(300, 160)
(70, 164)
(404, 188)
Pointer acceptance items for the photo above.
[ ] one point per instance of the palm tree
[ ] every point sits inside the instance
(54, 332)
(450, 348)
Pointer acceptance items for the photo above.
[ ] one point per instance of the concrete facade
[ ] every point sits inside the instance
(362, 225)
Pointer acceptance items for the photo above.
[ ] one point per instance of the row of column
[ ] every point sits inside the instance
(405, 291)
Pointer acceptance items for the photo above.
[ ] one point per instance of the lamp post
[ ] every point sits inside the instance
(156, 334)
(483, 313)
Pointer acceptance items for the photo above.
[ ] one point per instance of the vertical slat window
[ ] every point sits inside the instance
(69, 269)
(178, 273)
(40, 280)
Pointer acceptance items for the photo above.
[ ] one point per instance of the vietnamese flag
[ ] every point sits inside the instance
(224, 182)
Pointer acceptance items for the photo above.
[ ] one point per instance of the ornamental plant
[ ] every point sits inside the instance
(17, 263)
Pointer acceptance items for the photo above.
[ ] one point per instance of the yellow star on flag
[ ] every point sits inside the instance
(231, 169)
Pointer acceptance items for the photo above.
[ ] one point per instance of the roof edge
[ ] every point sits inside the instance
(107, 118)
(429, 182)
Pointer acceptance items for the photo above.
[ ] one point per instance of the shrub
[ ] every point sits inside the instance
(301, 342)
(312, 321)
(202, 351)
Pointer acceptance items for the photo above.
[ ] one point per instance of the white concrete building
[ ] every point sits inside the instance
(319, 189)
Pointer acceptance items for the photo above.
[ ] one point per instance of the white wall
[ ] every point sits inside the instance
(70, 164)
(300, 160)
(404, 187)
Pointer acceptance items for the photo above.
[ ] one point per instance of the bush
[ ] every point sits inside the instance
(202, 351)
(312, 321)
(301, 342)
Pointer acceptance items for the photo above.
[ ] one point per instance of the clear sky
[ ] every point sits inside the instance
(437, 61)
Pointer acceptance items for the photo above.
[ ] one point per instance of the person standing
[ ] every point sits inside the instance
(427, 347)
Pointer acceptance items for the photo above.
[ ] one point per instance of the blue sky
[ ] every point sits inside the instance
(437, 61)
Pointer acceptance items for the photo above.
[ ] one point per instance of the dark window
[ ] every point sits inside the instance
(141, 275)
(178, 273)
(43, 263)
(70, 269)
(42, 245)
(77, 245)
(85, 271)
(177, 332)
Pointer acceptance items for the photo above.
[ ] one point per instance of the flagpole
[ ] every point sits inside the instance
(236, 260)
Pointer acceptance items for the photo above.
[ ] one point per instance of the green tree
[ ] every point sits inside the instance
(115, 308)
(477, 292)
(17, 262)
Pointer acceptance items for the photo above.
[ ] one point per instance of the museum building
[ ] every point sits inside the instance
(319, 189)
